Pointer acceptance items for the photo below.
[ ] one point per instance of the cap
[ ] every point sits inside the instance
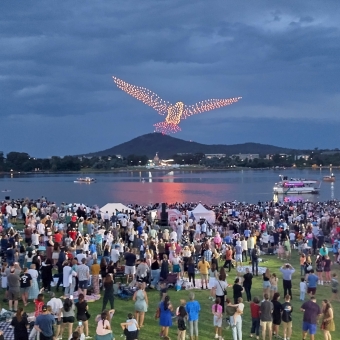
(44, 308)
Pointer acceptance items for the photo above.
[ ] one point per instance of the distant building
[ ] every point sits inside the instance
(184, 153)
(215, 155)
(243, 156)
(119, 156)
(330, 153)
(304, 157)
(156, 159)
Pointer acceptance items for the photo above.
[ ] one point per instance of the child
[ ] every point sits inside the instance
(181, 326)
(335, 287)
(239, 310)
(302, 263)
(130, 328)
(303, 289)
(273, 284)
(216, 309)
(39, 302)
(182, 304)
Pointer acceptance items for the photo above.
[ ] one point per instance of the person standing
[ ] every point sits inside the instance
(193, 309)
(287, 271)
(266, 318)
(13, 282)
(327, 320)
(255, 317)
(130, 265)
(141, 303)
(287, 310)
(276, 313)
(25, 284)
(312, 281)
(255, 260)
(56, 306)
(165, 319)
(311, 313)
(237, 290)
(20, 325)
(44, 324)
(108, 292)
(83, 274)
(247, 283)
(204, 266)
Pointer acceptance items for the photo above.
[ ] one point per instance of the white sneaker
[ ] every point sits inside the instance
(216, 336)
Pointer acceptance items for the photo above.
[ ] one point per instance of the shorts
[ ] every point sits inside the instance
(266, 284)
(212, 282)
(273, 288)
(217, 321)
(68, 319)
(309, 327)
(238, 257)
(176, 268)
(57, 322)
(204, 276)
(265, 325)
(24, 290)
(13, 295)
(81, 318)
(130, 270)
(277, 321)
(311, 290)
(83, 284)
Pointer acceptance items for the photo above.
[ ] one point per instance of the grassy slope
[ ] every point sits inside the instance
(206, 331)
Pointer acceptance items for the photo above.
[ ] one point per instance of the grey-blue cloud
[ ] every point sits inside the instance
(57, 58)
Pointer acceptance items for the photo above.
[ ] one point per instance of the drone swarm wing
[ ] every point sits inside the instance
(207, 105)
(146, 96)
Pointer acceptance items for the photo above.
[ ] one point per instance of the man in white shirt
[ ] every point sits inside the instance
(115, 254)
(80, 256)
(41, 229)
(106, 218)
(56, 305)
(9, 210)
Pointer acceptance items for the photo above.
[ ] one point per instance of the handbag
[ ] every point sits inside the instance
(87, 314)
(158, 313)
(224, 290)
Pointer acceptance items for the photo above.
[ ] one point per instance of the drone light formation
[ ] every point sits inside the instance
(174, 112)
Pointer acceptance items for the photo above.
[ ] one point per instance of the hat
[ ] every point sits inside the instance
(44, 308)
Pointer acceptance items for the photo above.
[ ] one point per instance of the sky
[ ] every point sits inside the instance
(57, 59)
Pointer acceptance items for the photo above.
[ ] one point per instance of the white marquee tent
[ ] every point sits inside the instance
(111, 208)
(201, 212)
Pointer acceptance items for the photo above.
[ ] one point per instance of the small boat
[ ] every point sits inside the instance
(6, 190)
(296, 186)
(330, 178)
(85, 180)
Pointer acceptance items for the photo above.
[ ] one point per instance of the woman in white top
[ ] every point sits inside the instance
(103, 331)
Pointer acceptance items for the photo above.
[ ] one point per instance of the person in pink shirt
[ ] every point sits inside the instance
(216, 310)
(217, 241)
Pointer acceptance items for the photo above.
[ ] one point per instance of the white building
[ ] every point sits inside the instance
(243, 156)
(215, 155)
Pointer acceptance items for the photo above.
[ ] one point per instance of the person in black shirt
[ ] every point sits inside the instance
(20, 325)
(237, 290)
(247, 283)
(108, 292)
(181, 326)
(277, 310)
(25, 284)
(287, 310)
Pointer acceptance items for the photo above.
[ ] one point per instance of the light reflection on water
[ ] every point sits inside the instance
(151, 187)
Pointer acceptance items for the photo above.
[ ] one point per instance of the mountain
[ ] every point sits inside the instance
(167, 146)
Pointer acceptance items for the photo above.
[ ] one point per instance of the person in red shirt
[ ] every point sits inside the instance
(58, 237)
(38, 302)
(73, 234)
(255, 317)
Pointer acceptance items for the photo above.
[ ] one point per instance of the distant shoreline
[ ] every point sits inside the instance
(139, 169)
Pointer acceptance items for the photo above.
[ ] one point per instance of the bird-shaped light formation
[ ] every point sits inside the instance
(174, 112)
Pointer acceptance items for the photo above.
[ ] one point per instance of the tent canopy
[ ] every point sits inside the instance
(111, 208)
(201, 212)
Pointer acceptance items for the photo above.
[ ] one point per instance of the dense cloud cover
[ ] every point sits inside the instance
(57, 59)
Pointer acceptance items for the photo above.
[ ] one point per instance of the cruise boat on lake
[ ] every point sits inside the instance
(85, 180)
(296, 186)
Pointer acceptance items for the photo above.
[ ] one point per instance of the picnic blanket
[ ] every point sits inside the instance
(242, 269)
(7, 330)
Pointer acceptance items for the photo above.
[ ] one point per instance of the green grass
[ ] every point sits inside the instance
(206, 330)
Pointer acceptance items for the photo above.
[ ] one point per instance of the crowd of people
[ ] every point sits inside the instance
(83, 251)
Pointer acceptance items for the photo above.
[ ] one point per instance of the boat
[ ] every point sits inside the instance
(296, 186)
(330, 178)
(6, 190)
(85, 180)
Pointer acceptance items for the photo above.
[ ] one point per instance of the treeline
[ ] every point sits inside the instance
(20, 161)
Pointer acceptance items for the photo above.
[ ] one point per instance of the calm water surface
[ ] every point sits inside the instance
(151, 187)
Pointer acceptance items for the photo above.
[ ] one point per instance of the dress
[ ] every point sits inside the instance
(140, 303)
(165, 319)
(34, 289)
(328, 325)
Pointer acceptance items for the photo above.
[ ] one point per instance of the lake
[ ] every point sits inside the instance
(162, 186)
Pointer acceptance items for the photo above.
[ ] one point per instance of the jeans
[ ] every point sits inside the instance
(255, 326)
(248, 292)
(21, 261)
(244, 256)
(287, 287)
(191, 276)
(249, 253)
(193, 327)
(237, 330)
(255, 264)
(302, 270)
(302, 296)
(155, 274)
(70, 289)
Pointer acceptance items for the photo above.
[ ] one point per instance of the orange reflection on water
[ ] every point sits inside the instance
(144, 193)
